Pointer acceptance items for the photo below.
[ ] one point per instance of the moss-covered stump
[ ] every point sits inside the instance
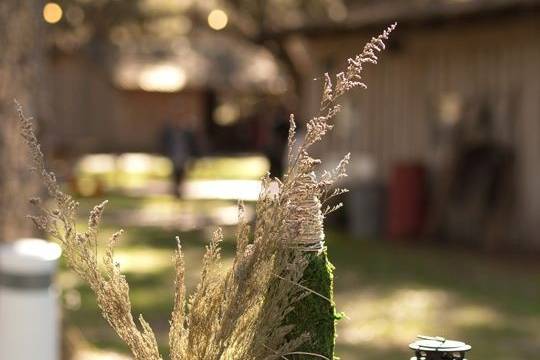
(314, 314)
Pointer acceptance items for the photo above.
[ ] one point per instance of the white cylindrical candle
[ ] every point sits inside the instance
(29, 317)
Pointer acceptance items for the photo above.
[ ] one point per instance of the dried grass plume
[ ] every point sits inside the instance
(237, 313)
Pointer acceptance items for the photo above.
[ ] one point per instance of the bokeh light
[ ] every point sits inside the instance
(52, 13)
(162, 78)
(218, 19)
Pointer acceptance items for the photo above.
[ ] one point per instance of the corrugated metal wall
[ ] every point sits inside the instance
(493, 64)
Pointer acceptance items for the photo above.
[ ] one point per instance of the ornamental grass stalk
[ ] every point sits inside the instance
(275, 301)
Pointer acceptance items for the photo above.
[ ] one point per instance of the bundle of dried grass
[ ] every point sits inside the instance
(239, 313)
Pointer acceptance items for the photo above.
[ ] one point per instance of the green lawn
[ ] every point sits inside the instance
(389, 292)
(98, 172)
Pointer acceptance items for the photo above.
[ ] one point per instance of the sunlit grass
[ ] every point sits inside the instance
(143, 260)
(97, 173)
(389, 292)
(392, 292)
(166, 211)
(227, 168)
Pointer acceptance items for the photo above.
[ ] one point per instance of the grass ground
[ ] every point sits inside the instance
(390, 292)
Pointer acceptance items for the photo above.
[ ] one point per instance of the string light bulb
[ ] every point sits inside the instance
(218, 19)
(52, 13)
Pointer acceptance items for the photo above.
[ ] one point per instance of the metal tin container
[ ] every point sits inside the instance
(438, 348)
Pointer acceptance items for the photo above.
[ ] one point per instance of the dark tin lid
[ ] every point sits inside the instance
(438, 344)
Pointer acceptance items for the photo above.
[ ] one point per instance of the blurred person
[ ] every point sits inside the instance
(480, 192)
(277, 141)
(180, 146)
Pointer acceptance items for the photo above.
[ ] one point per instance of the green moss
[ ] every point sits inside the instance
(314, 314)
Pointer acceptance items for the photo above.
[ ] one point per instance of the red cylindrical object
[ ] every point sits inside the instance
(406, 200)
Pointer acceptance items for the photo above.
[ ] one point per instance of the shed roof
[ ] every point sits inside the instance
(371, 11)
(367, 13)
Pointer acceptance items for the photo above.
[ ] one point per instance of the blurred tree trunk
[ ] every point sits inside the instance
(21, 44)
